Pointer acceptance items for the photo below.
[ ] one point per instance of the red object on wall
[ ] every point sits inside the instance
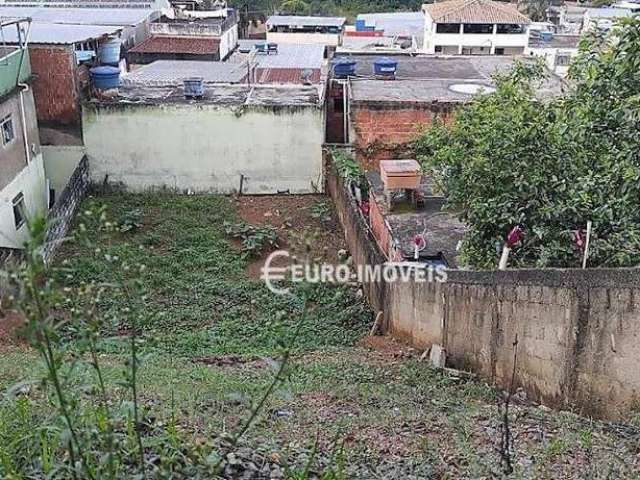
(514, 237)
(365, 208)
(354, 33)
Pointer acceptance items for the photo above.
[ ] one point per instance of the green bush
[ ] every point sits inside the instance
(550, 166)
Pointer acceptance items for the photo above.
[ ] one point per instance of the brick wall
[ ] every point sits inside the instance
(577, 330)
(385, 131)
(56, 84)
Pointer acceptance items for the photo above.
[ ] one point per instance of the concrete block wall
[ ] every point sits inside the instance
(578, 331)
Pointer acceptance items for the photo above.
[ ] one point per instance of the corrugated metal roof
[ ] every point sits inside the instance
(300, 21)
(173, 72)
(296, 76)
(178, 44)
(82, 16)
(475, 11)
(55, 34)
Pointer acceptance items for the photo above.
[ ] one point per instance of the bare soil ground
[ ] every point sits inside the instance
(307, 225)
(11, 323)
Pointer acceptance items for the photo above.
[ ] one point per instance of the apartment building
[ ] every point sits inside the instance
(474, 27)
(23, 186)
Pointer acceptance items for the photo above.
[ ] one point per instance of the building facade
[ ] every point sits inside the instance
(151, 136)
(189, 38)
(474, 27)
(23, 186)
(297, 29)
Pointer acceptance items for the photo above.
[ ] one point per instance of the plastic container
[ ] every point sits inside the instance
(105, 77)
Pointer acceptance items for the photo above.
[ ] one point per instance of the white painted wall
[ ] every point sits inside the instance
(206, 148)
(228, 42)
(331, 39)
(60, 161)
(515, 42)
(550, 56)
(31, 183)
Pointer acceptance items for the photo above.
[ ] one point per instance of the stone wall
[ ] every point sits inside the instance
(62, 214)
(577, 331)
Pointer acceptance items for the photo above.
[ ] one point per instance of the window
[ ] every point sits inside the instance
(563, 60)
(499, 51)
(448, 28)
(478, 28)
(6, 127)
(510, 28)
(438, 48)
(19, 210)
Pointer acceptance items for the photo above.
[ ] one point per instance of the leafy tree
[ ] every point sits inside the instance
(294, 6)
(536, 10)
(263, 8)
(550, 166)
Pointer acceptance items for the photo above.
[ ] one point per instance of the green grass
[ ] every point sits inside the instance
(199, 300)
(211, 337)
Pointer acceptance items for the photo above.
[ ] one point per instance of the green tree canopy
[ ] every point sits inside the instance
(550, 166)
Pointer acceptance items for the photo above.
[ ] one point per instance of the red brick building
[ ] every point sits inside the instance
(384, 116)
(61, 56)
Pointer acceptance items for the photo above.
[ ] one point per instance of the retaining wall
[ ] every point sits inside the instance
(578, 331)
(62, 213)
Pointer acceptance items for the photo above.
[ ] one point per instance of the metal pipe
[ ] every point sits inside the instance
(345, 111)
(586, 245)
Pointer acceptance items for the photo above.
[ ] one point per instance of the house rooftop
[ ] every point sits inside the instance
(609, 12)
(368, 44)
(475, 11)
(82, 16)
(174, 72)
(57, 34)
(403, 24)
(556, 41)
(218, 94)
(429, 79)
(290, 55)
(301, 21)
(178, 45)
(225, 84)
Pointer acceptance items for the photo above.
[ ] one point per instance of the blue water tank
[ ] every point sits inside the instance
(109, 52)
(194, 87)
(546, 36)
(385, 67)
(105, 77)
(344, 67)
(361, 25)
(261, 47)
